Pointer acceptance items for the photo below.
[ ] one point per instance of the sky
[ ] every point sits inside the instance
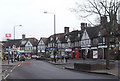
(30, 14)
(35, 23)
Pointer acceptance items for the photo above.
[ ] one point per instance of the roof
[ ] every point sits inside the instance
(18, 42)
(73, 36)
(59, 35)
(11, 42)
(33, 41)
(44, 39)
(93, 31)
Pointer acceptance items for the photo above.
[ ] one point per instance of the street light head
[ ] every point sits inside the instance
(20, 25)
(45, 12)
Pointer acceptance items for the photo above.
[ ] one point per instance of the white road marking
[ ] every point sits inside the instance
(6, 76)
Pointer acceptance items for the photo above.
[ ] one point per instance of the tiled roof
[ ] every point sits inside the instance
(73, 36)
(93, 31)
(44, 40)
(59, 35)
(17, 42)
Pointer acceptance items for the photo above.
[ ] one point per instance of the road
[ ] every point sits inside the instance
(36, 69)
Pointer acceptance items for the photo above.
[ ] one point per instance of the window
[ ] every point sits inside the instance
(51, 38)
(103, 39)
(56, 38)
(65, 37)
(79, 35)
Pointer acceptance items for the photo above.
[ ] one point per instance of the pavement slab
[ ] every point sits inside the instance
(70, 65)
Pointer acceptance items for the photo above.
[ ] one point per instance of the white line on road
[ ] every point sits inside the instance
(13, 68)
(6, 76)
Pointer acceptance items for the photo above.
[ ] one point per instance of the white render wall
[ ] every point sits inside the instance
(119, 15)
(0, 69)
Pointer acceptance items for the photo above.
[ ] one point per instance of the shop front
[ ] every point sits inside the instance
(68, 52)
(61, 52)
(101, 51)
(86, 52)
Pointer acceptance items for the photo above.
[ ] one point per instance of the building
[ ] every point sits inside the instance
(118, 15)
(1, 50)
(25, 46)
(42, 45)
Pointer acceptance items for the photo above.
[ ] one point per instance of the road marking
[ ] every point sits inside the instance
(13, 68)
(6, 76)
(19, 64)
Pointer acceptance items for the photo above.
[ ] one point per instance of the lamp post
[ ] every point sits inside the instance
(14, 41)
(54, 33)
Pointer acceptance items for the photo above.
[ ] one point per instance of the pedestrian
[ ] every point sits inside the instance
(84, 56)
(52, 57)
(11, 59)
(72, 56)
(66, 58)
(18, 57)
(55, 56)
(115, 56)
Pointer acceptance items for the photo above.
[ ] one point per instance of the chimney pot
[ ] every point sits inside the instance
(23, 36)
(66, 30)
(83, 26)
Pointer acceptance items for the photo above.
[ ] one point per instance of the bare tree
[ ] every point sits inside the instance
(107, 8)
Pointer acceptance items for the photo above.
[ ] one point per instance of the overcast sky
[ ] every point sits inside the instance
(30, 14)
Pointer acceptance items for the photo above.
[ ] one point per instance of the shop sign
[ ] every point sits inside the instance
(95, 54)
(102, 46)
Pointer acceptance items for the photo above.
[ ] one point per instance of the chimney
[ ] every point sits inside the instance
(23, 36)
(66, 30)
(83, 26)
(103, 20)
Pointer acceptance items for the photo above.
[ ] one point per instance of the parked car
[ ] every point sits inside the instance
(34, 57)
(38, 56)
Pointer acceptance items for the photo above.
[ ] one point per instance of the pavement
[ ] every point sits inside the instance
(70, 65)
(8, 67)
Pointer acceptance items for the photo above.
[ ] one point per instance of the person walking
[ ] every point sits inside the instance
(66, 58)
(11, 59)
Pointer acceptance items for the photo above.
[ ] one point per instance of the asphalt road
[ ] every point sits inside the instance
(36, 69)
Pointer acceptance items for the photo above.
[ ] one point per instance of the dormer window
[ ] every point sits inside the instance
(51, 38)
(56, 38)
(99, 34)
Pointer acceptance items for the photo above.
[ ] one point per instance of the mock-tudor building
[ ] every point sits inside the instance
(26, 46)
(42, 45)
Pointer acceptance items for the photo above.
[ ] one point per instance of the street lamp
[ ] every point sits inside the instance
(54, 23)
(14, 40)
(14, 30)
(54, 32)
